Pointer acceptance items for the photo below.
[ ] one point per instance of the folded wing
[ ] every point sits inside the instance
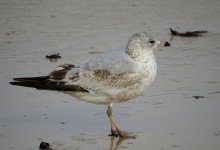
(115, 72)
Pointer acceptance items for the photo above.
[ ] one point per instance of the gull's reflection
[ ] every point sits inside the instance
(83, 141)
(116, 143)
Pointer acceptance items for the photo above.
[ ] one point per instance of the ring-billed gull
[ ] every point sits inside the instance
(111, 78)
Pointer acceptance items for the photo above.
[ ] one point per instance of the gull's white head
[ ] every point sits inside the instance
(141, 44)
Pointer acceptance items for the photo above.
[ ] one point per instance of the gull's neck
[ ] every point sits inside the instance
(140, 55)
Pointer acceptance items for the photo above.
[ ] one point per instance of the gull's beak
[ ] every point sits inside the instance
(164, 44)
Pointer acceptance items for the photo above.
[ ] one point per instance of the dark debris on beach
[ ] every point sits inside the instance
(44, 146)
(188, 33)
(53, 56)
(198, 97)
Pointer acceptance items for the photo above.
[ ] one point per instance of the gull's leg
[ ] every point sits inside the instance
(113, 126)
(116, 131)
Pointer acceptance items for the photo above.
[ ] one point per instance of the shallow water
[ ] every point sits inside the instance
(166, 116)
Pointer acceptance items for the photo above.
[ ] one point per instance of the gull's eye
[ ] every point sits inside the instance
(151, 41)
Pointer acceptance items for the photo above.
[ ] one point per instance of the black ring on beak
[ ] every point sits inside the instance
(167, 44)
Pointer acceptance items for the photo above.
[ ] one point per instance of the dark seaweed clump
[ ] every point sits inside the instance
(44, 146)
(53, 56)
(198, 97)
(188, 33)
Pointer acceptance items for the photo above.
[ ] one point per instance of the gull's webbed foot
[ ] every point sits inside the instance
(122, 134)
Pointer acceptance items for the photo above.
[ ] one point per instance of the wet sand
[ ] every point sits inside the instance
(167, 116)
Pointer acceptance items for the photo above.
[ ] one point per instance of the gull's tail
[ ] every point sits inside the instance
(44, 83)
(34, 82)
(33, 79)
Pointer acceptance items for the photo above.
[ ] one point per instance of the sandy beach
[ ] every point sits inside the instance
(179, 111)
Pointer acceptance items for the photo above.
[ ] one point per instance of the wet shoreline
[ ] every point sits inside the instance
(179, 111)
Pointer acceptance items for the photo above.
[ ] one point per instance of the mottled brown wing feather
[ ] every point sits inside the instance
(60, 74)
(51, 82)
(104, 79)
